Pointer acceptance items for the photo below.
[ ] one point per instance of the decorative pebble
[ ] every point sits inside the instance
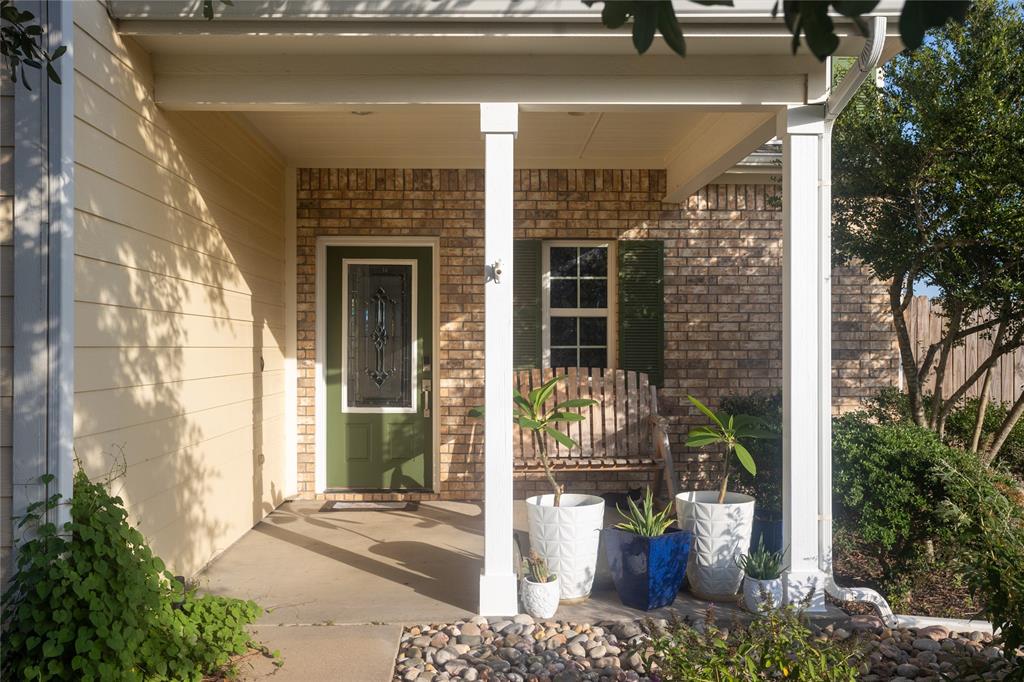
(523, 650)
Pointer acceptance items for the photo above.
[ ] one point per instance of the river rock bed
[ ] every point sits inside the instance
(520, 649)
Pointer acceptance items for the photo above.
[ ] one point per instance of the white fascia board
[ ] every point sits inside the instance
(302, 92)
(742, 10)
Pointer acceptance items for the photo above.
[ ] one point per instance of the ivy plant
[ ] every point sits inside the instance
(90, 601)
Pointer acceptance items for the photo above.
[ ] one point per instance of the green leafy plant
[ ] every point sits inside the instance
(777, 646)
(530, 412)
(21, 44)
(644, 521)
(808, 19)
(987, 514)
(762, 564)
(536, 568)
(90, 601)
(888, 495)
(727, 430)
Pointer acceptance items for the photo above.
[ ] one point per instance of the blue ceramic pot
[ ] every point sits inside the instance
(771, 529)
(647, 571)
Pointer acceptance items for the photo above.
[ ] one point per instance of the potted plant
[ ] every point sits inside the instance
(646, 557)
(539, 591)
(564, 528)
(719, 520)
(762, 581)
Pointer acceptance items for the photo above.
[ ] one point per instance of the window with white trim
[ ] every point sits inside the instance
(579, 304)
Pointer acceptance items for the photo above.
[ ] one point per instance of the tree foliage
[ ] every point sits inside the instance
(807, 19)
(928, 186)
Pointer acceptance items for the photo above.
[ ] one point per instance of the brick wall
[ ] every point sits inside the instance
(723, 287)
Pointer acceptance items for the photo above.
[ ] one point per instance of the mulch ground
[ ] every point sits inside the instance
(940, 591)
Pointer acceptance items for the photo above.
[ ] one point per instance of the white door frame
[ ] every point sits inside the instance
(320, 387)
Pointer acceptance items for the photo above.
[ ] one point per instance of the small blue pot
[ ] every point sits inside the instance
(648, 572)
(771, 529)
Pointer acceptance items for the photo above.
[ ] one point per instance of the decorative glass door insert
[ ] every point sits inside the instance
(378, 364)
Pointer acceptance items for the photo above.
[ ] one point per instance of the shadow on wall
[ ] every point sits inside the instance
(180, 307)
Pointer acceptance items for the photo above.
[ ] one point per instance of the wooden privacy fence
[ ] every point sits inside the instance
(925, 321)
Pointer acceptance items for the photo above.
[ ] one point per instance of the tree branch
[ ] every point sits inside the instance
(906, 349)
(1004, 430)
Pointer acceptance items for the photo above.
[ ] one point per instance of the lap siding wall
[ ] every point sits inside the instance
(179, 304)
(723, 289)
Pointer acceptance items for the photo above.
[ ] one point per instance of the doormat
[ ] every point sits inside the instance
(369, 506)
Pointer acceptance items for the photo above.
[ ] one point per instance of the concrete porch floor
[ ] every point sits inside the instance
(338, 586)
(308, 567)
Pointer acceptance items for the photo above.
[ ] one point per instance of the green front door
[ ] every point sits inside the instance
(379, 359)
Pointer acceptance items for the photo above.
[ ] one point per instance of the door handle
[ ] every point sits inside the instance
(425, 388)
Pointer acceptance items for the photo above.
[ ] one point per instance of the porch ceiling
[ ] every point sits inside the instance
(448, 136)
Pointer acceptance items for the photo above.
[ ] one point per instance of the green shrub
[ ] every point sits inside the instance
(960, 430)
(891, 404)
(766, 487)
(775, 646)
(888, 492)
(91, 602)
(987, 512)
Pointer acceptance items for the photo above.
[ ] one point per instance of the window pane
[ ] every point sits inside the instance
(563, 331)
(593, 357)
(563, 293)
(563, 261)
(593, 331)
(563, 357)
(593, 293)
(594, 262)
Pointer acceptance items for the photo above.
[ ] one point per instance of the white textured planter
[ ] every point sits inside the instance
(540, 600)
(721, 534)
(753, 589)
(567, 537)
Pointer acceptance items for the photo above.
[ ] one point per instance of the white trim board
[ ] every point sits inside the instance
(611, 312)
(320, 388)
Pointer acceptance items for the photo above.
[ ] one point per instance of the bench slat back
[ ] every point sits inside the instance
(618, 427)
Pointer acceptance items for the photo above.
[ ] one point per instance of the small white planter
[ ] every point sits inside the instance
(567, 537)
(754, 591)
(540, 600)
(721, 534)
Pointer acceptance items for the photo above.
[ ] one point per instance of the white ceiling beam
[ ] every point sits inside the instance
(700, 162)
(303, 92)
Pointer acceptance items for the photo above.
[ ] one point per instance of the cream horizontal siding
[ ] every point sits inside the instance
(6, 311)
(179, 304)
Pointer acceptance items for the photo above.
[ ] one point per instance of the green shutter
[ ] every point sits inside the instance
(642, 307)
(526, 304)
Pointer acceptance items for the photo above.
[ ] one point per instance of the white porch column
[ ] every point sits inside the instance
(802, 131)
(499, 124)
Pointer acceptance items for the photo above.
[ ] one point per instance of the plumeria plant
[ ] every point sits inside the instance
(530, 412)
(728, 430)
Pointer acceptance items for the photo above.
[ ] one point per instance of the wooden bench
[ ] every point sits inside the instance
(622, 432)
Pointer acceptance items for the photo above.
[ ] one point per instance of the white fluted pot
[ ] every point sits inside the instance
(757, 592)
(567, 537)
(721, 534)
(540, 600)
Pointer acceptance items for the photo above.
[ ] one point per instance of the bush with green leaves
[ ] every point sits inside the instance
(891, 404)
(888, 494)
(986, 511)
(90, 601)
(776, 646)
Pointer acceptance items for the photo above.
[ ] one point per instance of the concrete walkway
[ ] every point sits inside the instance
(338, 586)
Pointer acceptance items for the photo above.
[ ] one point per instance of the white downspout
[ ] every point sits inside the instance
(834, 105)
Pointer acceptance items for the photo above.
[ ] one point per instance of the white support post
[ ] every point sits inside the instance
(499, 124)
(802, 130)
